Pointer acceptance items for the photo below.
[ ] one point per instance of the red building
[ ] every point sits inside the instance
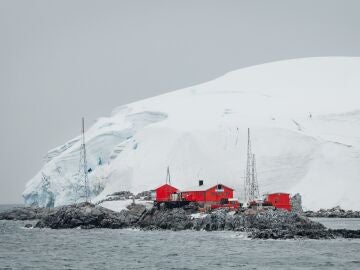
(209, 194)
(164, 193)
(279, 200)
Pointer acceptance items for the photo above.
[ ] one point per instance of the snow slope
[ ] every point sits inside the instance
(304, 116)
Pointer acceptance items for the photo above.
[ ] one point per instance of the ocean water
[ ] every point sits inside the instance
(22, 248)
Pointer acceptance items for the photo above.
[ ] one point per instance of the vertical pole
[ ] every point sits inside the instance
(83, 162)
(248, 170)
(168, 178)
(168, 181)
(253, 176)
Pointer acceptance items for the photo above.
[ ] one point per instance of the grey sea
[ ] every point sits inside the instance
(22, 248)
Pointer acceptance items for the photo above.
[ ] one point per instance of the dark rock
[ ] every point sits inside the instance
(275, 224)
(192, 208)
(170, 219)
(136, 210)
(28, 225)
(335, 212)
(263, 224)
(24, 213)
(87, 227)
(89, 216)
(343, 233)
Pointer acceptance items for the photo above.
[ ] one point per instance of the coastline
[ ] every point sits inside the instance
(265, 224)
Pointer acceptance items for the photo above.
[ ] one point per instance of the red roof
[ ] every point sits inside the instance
(166, 185)
(206, 187)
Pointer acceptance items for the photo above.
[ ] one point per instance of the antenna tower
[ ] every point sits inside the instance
(251, 183)
(83, 171)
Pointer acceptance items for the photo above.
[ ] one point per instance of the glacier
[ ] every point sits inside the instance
(304, 116)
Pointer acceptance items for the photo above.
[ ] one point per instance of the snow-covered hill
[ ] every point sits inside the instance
(304, 115)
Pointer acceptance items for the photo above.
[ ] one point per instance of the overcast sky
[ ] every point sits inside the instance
(60, 60)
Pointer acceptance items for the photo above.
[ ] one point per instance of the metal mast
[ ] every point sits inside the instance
(254, 190)
(83, 171)
(248, 169)
(168, 178)
(251, 184)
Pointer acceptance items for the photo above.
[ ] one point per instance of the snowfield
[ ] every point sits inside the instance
(304, 116)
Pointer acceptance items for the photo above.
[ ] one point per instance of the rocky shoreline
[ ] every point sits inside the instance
(269, 224)
(335, 212)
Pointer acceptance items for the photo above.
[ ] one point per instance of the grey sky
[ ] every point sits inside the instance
(60, 60)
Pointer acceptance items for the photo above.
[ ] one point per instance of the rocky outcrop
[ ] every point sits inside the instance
(260, 224)
(343, 233)
(24, 213)
(276, 224)
(335, 212)
(89, 216)
(168, 219)
(268, 224)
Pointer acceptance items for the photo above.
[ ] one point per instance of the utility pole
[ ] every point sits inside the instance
(83, 171)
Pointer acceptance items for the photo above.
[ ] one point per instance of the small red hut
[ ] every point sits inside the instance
(279, 200)
(164, 193)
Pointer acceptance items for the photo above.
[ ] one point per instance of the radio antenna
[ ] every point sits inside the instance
(83, 170)
(251, 183)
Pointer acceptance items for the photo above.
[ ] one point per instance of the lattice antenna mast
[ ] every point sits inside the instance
(248, 169)
(254, 190)
(168, 177)
(83, 171)
(251, 183)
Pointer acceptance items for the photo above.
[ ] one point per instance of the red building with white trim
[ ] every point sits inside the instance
(208, 194)
(164, 193)
(212, 196)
